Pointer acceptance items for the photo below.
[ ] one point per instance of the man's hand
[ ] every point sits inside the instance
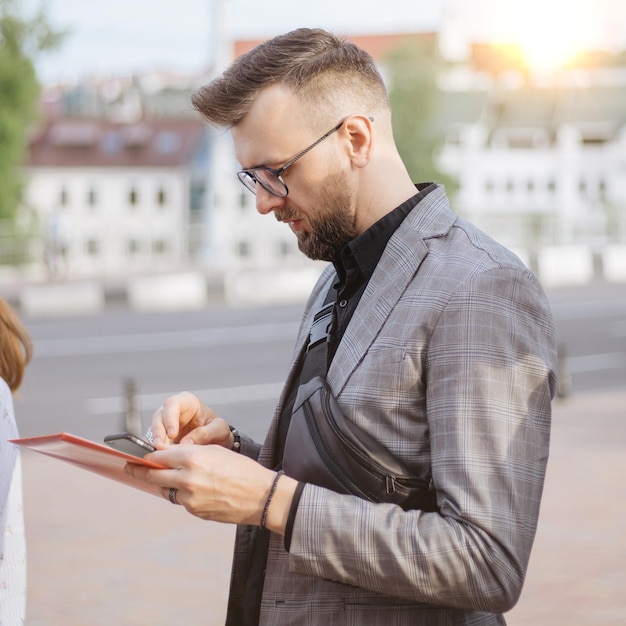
(183, 418)
(219, 485)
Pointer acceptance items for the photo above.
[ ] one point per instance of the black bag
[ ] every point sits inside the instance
(325, 449)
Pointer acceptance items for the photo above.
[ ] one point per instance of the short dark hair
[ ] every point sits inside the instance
(323, 70)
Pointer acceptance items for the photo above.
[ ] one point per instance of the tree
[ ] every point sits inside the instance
(22, 39)
(412, 71)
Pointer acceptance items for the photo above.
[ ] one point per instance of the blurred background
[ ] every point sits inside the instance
(109, 177)
(141, 268)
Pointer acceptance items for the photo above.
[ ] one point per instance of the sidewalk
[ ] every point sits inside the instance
(577, 574)
(101, 553)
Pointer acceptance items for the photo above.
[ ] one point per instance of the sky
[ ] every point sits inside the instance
(121, 35)
(126, 36)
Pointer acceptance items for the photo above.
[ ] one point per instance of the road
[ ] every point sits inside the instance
(234, 359)
(237, 358)
(591, 326)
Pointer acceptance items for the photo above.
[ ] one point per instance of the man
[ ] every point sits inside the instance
(441, 348)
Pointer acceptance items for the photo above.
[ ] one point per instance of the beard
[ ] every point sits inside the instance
(332, 224)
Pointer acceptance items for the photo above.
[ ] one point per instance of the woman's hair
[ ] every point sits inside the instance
(16, 348)
(326, 72)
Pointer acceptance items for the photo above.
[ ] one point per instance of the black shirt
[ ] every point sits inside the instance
(358, 260)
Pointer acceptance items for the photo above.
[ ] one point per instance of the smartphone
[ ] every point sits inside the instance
(130, 444)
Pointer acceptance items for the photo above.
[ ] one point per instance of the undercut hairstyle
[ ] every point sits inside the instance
(16, 348)
(326, 72)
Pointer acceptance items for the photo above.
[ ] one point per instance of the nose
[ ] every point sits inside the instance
(267, 202)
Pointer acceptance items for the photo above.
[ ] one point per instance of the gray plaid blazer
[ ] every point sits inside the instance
(450, 361)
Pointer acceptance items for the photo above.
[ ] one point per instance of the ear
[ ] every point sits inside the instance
(358, 128)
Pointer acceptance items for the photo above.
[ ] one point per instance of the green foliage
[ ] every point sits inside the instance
(19, 240)
(412, 71)
(21, 40)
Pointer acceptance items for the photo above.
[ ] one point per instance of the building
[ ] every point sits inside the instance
(542, 168)
(115, 198)
(539, 165)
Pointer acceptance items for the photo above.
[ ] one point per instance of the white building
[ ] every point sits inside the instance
(116, 198)
(543, 170)
(540, 168)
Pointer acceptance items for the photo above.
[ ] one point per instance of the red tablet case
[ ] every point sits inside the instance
(91, 456)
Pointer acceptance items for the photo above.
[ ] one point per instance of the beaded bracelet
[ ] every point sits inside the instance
(266, 508)
(237, 439)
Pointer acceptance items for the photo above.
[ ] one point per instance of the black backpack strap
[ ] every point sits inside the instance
(316, 358)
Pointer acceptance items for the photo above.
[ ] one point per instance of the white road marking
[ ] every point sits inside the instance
(211, 397)
(175, 340)
(596, 362)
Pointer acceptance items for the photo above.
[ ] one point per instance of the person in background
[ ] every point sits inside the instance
(15, 353)
(441, 348)
(57, 242)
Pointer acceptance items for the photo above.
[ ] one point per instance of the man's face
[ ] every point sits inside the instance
(319, 207)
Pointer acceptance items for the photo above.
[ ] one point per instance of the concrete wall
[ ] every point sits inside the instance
(556, 267)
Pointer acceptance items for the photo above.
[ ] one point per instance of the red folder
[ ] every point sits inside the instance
(91, 456)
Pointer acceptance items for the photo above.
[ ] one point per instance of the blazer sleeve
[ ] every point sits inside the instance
(489, 371)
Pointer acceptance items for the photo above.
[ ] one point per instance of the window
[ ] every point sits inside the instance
(63, 197)
(133, 196)
(244, 249)
(594, 140)
(196, 197)
(92, 246)
(92, 197)
(284, 249)
(159, 246)
(161, 197)
(112, 142)
(167, 142)
(132, 247)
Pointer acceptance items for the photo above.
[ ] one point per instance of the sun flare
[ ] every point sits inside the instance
(549, 33)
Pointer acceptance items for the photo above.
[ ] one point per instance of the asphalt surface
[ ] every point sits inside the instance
(103, 553)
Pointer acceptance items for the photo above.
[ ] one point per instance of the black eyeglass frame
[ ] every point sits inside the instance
(249, 179)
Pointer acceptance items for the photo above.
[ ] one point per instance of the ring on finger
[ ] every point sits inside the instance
(171, 495)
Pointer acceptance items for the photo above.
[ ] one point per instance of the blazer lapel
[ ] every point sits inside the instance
(383, 291)
(404, 253)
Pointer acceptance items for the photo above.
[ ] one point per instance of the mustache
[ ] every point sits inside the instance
(285, 215)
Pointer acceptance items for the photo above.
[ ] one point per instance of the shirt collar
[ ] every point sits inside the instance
(363, 253)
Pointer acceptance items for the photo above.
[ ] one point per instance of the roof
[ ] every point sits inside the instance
(594, 104)
(531, 107)
(96, 142)
(376, 45)
(524, 107)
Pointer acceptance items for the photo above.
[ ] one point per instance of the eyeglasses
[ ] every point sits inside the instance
(269, 178)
